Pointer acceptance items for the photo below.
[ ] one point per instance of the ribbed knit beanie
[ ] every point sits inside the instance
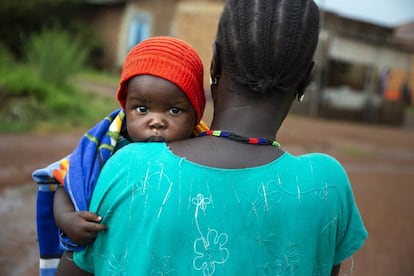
(168, 58)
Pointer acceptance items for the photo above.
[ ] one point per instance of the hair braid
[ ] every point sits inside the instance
(226, 38)
(245, 22)
(291, 19)
(268, 44)
(266, 31)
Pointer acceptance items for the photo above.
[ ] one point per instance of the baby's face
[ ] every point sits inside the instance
(157, 110)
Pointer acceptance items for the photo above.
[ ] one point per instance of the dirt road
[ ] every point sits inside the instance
(19, 156)
(379, 160)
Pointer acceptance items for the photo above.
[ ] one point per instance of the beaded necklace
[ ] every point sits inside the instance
(238, 138)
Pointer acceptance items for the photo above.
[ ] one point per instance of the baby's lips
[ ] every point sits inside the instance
(156, 139)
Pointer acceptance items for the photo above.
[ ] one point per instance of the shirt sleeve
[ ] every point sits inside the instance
(351, 233)
(111, 174)
(107, 197)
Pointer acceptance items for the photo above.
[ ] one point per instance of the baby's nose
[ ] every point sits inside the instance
(157, 122)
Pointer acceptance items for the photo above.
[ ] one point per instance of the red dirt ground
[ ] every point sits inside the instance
(379, 160)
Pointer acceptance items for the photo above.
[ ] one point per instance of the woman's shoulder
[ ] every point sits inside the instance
(144, 146)
(319, 158)
(321, 164)
(138, 150)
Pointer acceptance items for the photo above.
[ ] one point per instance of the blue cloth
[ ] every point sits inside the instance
(84, 165)
(166, 215)
(86, 161)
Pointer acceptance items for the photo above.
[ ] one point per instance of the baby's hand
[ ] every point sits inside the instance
(82, 227)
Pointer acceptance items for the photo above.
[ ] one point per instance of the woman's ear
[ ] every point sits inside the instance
(215, 67)
(304, 83)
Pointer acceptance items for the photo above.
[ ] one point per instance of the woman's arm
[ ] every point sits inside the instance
(68, 268)
(335, 270)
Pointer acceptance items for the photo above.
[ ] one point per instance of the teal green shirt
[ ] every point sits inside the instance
(167, 215)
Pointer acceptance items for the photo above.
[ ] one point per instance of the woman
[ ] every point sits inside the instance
(232, 202)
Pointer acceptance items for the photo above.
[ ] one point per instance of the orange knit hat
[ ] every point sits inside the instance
(168, 58)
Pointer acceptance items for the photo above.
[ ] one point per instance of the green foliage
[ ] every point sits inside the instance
(103, 78)
(29, 102)
(23, 81)
(38, 59)
(88, 37)
(6, 58)
(23, 93)
(20, 19)
(56, 55)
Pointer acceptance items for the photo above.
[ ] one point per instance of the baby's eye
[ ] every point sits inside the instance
(141, 109)
(175, 110)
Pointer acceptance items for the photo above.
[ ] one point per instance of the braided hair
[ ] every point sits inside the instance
(268, 44)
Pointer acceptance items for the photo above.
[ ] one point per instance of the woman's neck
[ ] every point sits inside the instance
(247, 116)
(247, 113)
(242, 124)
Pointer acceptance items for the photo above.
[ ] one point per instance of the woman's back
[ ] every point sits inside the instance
(278, 218)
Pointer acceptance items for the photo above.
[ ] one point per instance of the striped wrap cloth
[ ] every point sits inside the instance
(84, 163)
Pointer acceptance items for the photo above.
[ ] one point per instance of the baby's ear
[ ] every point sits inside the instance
(304, 83)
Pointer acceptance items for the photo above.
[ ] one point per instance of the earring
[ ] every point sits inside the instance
(300, 97)
(214, 80)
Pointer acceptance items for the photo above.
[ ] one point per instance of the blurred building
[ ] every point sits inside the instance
(361, 67)
(365, 71)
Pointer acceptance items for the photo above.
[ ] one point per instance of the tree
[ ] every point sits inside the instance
(20, 19)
